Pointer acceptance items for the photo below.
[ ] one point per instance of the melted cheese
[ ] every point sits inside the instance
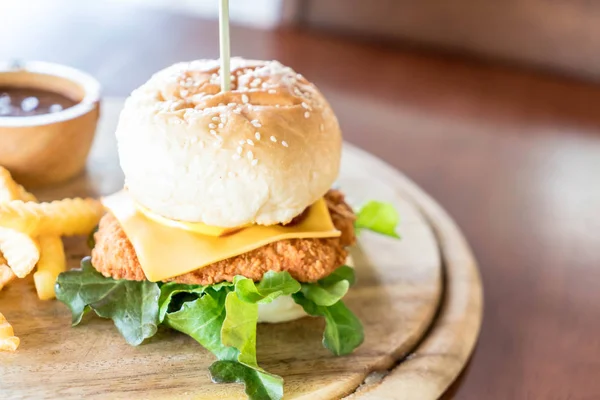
(165, 251)
(196, 227)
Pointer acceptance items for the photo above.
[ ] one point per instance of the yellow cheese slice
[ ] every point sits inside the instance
(165, 252)
(196, 227)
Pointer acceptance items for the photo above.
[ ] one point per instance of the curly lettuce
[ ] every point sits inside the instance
(221, 317)
(378, 217)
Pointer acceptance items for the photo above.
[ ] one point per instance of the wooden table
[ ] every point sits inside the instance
(513, 155)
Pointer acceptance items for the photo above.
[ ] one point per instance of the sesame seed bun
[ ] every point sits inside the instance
(260, 153)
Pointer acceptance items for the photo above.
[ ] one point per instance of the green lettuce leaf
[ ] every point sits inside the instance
(202, 319)
(343, 330)
(91, 241)
(239, 332)
(132, 305)
(173, 295)
(272, 285)
(341, 273)
(239, 328)
(378, 217)
(325, 294)
(259, 385)
(241, 305)
(222, 318)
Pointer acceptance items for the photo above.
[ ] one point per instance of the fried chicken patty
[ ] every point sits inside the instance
(307, 260)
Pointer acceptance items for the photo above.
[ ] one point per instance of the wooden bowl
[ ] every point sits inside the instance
(49, 148)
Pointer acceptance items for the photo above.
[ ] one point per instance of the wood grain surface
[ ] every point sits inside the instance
(398, 294)
(512, 155)
(443, 352)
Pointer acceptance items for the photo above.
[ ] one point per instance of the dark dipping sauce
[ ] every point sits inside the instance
(25, 102)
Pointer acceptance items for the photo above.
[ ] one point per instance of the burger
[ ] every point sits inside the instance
(227, 217)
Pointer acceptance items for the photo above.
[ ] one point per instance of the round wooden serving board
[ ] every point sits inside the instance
(419, 298)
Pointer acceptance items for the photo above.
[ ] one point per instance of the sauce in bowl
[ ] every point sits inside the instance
(24, 102)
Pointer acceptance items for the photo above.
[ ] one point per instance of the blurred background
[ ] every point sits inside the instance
(491, 106)
(562, 35)
(556, 35)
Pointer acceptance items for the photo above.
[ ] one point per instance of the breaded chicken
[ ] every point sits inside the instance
(307, 260)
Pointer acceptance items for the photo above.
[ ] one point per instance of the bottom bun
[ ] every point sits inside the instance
(284, 308)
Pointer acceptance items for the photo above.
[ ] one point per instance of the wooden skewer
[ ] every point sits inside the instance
(224, 45)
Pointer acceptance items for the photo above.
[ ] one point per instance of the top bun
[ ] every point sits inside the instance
(260, 153)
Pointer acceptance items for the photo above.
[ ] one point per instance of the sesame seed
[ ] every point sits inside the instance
(237, 111)
(307, 115)
(245, 98)
(272, 91)
(250, 142)
(239, 149)
(236, 156)
(231, 104)
(273, 139)
(223, 120)
(221, 125)
(216, 119)
(305, 106)
(212, 126)
(242, 142)
(254, 162)
(250, 155)
(255, 123)
(213, 132)
(284, 143)
(257, 135)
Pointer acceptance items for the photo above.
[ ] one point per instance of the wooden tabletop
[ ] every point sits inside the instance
(513, 155)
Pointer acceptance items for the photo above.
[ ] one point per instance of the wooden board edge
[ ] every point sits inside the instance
(429, 370)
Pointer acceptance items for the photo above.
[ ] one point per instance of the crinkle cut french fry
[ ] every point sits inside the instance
(52, 262)
(8, 340)
(19, 250)
(25, 195)
(9, 189)
(6, 274)
(61, 217)
(6, 330)
(10, 344)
